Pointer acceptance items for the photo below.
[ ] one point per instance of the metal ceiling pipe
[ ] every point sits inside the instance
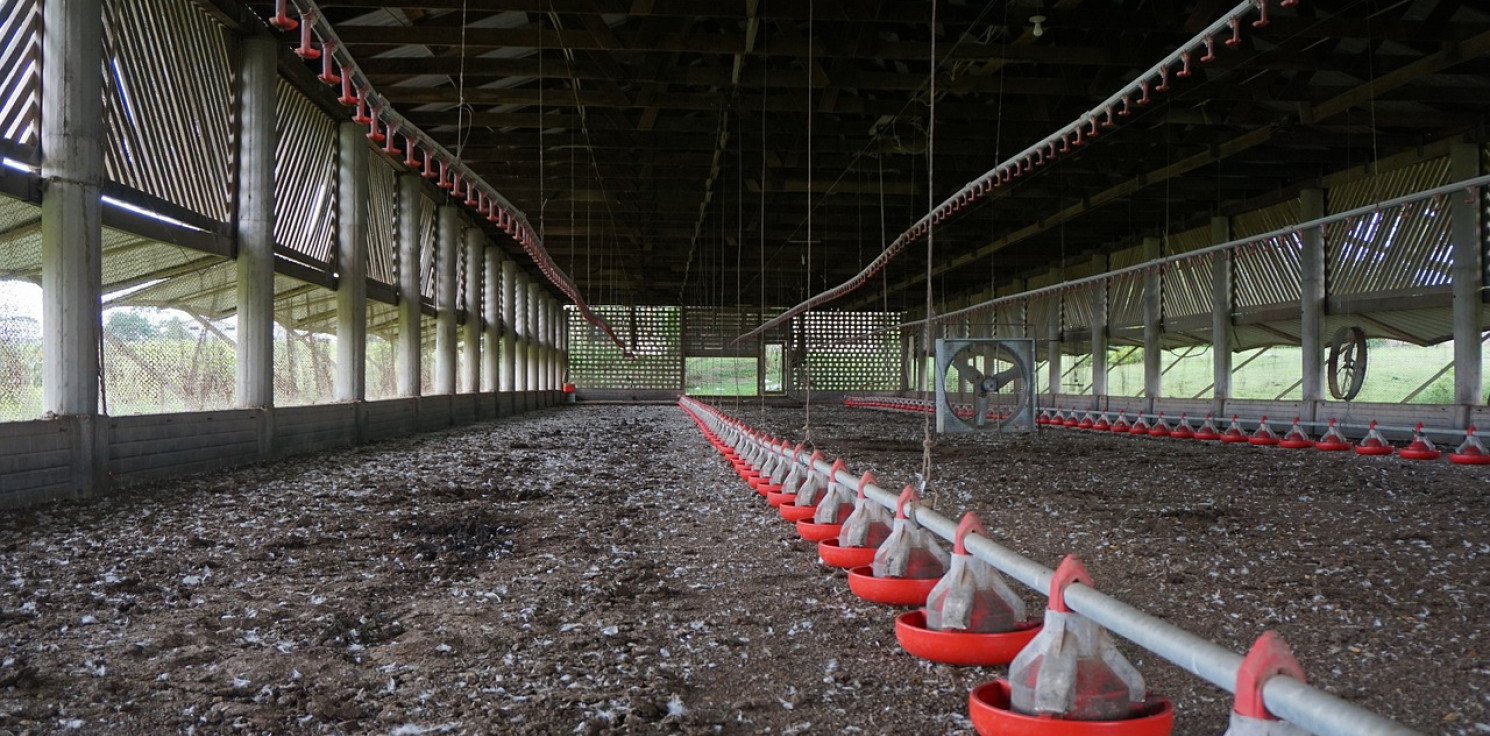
(1308, 707)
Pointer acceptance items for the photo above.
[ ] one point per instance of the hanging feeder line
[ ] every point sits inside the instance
(1310, 708)
(1074, 135)
(453, 175)
(923, 406)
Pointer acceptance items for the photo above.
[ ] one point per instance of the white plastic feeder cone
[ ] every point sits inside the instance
(837, 503)
(779, 474)
(1269, 656)
(1072, 669)
(810, 491)
(911, 551)
(869, 524)
(972, 596)
(1471, 451)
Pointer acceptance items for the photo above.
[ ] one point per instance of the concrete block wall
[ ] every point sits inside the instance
(73, 457)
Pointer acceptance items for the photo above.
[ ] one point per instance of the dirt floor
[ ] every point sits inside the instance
(600, 570)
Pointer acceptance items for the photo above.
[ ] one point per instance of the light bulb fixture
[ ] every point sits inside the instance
(1038, 21)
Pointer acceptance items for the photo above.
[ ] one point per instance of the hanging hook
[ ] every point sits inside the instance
(280, 19)
(1163, 79)
(1065, 144)
(1210, 50)
(440, 181)
(1144, 99)
(1108, 122)
(1184, 70)
(305, 50)
(1127, 107)
(1092, 132)
(429, 170)
(1262, 9)
(1080, 136)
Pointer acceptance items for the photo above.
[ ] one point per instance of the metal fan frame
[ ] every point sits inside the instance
(1021, 352)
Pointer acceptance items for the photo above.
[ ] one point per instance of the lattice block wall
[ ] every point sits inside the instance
(846, 351)
(652, 334)
(712, 329)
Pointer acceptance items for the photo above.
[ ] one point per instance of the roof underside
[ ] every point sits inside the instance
(741, 152)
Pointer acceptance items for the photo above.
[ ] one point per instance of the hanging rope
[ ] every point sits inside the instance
(926, 441)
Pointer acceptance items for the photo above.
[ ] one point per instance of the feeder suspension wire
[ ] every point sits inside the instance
(807, 278)
(765, 89)
(1016, 165)
(926, 441)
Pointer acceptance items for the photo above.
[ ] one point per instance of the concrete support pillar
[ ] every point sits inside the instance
(1099, 333)
(1468, 277)
(470, 356)
(71, 212)
(508, 378)
(541, 338)
(410, 316)
(447, 252)
(564, 347)
(351, 263)
(1221, 322)
(1311, 303)
(520, 329)
(491, 311)
(255, 226)
(535, 291)
(554, 315)
(1153, 315)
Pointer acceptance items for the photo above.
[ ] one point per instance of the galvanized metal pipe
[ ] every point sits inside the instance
(1308, 707)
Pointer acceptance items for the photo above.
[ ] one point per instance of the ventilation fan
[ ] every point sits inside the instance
(985, 384)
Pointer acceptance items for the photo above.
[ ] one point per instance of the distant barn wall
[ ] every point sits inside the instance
(50, 459)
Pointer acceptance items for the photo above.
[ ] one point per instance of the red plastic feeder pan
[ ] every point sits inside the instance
(845, 557)
(1374, 444)
(964, 648)
(794, 513)
(993, 715)
(890, 591)
(813, 532)
(1471, 451)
